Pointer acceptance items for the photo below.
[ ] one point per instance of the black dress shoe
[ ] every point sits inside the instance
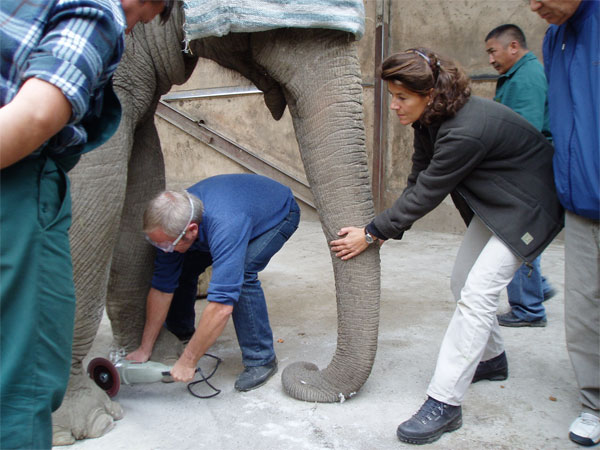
(254, 377)
(495, 369)
(430, 422)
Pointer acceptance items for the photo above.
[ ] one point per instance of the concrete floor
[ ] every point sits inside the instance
(531, 410)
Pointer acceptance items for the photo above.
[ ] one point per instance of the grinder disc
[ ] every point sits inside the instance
(105, 375)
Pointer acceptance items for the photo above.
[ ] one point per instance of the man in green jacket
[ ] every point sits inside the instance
(522, 87)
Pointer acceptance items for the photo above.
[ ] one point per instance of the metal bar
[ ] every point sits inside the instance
(194, 94)
(380, 113)
(233, 151)
(197, 94)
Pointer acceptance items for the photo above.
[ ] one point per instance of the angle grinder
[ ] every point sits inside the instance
(109, 376)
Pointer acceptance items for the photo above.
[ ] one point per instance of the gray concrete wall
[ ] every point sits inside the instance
(454, 28)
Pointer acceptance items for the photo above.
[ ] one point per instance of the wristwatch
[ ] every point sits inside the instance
(369, 237)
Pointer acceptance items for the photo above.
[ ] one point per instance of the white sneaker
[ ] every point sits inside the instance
(585, 430)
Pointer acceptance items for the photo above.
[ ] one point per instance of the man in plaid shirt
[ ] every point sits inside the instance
(56, 102)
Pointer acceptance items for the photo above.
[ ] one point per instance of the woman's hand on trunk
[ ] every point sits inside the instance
(352, 244)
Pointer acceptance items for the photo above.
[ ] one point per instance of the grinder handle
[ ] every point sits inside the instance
(168, 372)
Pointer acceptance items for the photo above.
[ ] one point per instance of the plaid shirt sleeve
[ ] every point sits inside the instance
(75, 45)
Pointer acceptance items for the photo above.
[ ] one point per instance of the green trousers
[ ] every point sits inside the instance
(37, 300)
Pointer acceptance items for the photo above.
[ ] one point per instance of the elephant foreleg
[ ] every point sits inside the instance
(132, 262)
(133, 258)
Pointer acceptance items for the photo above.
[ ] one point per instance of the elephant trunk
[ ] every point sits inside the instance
(320, 75)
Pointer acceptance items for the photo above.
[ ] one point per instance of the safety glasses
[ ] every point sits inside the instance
(169, 247)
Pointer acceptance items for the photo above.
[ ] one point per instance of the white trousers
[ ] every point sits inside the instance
(483, 268)
(582, 306)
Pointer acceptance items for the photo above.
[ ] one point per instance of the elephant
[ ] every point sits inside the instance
(316, 74)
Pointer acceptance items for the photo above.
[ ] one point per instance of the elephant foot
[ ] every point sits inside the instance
(167, 348)
(304, 381)
(86, 412)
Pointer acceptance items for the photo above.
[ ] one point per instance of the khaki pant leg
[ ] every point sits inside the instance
(582, 305)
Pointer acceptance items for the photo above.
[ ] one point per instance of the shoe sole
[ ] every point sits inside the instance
(492, 378)
(452, 426)
(537, 324)
(586, 442)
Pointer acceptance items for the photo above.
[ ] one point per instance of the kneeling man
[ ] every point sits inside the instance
(235, 223)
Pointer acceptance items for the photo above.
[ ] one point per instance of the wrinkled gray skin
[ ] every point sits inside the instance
(316, 73)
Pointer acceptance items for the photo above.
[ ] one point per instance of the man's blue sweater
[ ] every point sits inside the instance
(237, 209)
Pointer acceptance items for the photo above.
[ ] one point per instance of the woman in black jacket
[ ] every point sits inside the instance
(498, 170)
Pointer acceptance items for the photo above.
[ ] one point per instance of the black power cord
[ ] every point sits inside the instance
(205, 379)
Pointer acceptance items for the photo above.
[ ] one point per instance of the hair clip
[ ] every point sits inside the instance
(422, 55)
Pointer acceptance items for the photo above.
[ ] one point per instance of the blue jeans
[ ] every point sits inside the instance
(250, 316)
(526, 292)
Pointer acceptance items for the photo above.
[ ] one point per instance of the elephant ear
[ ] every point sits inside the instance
(234, 52)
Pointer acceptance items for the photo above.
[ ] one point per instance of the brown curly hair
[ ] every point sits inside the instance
(420, 70)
